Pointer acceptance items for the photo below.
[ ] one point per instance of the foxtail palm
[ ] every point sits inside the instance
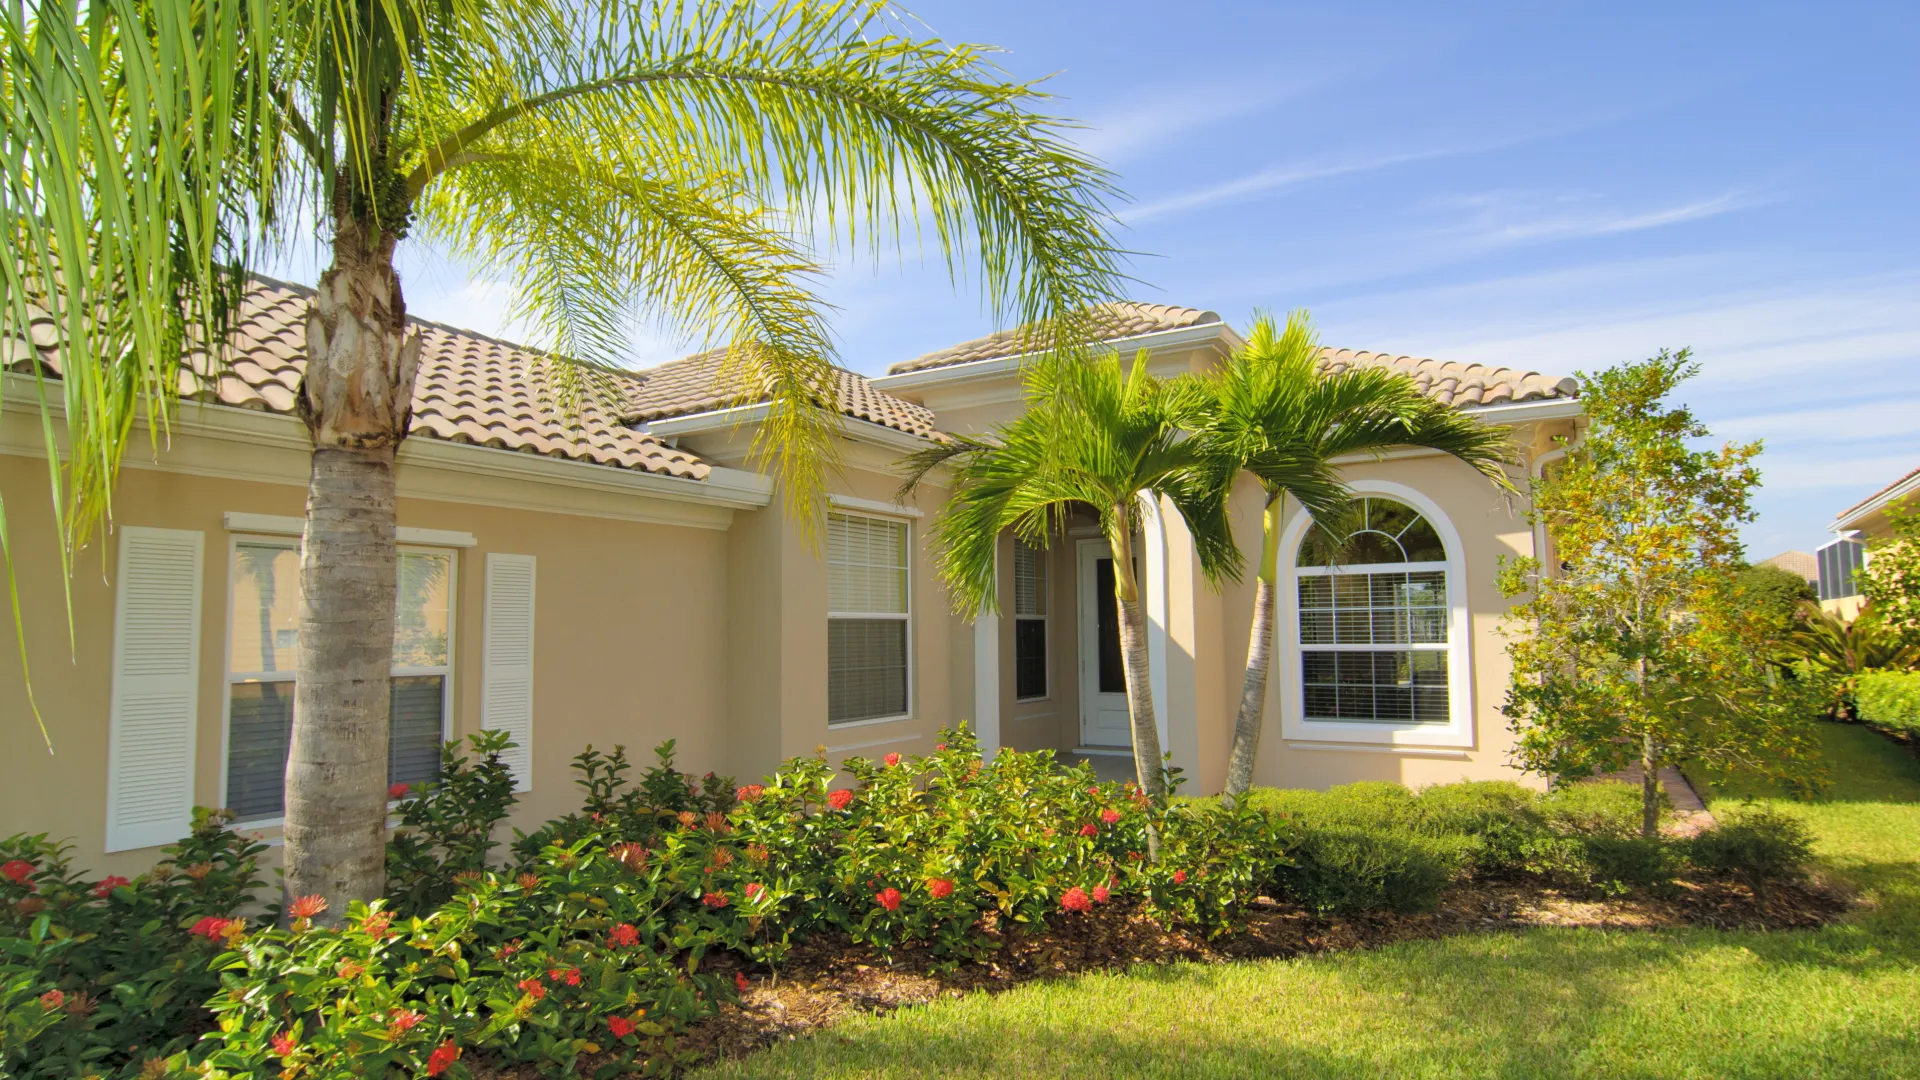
(613, 158)
(1279, 415)
(1099, 436)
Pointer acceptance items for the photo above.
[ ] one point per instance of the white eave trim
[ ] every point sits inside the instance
(1000, 365)
(874, 506)
(704, 423)
(1523, 412)
(1909, 486)
(279, 525)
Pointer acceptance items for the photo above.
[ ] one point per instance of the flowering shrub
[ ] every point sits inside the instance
(629, 814)
(97, 977)
(447, 824)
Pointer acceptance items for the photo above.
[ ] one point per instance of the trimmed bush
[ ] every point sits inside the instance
(1345, 869)
(1597, 808)
(1756, 844)
(1890, 700)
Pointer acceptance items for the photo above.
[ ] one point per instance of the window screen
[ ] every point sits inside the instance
(265, 653)
(1029, 621)
(1373, 617)
(867, 618)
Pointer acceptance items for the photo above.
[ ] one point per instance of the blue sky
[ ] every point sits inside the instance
(1550, 186)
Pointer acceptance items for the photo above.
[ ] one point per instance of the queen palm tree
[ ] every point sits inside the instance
(1099, 436)
(613, 158)
(1279, 415)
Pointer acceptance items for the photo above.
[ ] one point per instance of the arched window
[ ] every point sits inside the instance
(1373, 619)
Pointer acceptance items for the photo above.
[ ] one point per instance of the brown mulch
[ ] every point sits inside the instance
(828, 979)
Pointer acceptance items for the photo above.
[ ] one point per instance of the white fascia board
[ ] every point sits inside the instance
(874, 506)
(703, 423)
(1524, 412)
(1000, 365)
(1899, 491)
(281, 525)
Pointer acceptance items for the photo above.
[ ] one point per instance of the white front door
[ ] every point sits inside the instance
(1103, 679)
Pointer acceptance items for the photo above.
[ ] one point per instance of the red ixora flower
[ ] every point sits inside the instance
(210, 927)
(443, 1055)
(888, 898)
(891, 760)
(527, 881)
(1110, 815)
(741, 982)
(839, 800)
(940, 888)
(1076, 899)
(531, 987)
(623, 934)
(398, 791)
(306, 907)
(754, 889)
(939, 746)
(283, 1044)
(1089, 829)
(108, 884)
(377, 923)
(1100, 894)
(401, 1021)
(1179, 877)
(53, 999)
(749, 792)
(17, 869)
(715, 900)
(620, 1026)
(350, 970)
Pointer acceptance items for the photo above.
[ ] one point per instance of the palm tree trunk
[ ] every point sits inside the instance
(1253, 688)
(1133, 655)
(357, 401)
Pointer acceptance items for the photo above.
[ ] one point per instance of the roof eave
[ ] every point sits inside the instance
(1000, 365)
(1524, 412)
(705, 423)
(1853, 515)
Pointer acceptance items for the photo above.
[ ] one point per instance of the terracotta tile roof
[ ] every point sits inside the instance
(1123, 319)
(692, 385)
(1459, 384)
(470, 388)
(1798, 563)
(1876, 497)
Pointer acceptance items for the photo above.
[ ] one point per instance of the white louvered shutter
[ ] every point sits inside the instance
(506, 694)
(156, 661)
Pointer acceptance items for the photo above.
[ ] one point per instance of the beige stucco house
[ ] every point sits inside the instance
(1855, 529)
(625, 577)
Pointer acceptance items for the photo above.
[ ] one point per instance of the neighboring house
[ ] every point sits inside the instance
(1855, 529)
(618, 575)
(1799, 564)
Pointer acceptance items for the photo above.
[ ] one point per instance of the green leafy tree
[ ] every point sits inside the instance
(1774, 595)
(1640, 649)
(1833, 652)
(1892, 576)
(1279, 416)
(613, 158)
(1104, 437)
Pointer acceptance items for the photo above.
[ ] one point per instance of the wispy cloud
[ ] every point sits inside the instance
(1172, 112)
(1283, 176)
(1504, 218)
(1877, 418)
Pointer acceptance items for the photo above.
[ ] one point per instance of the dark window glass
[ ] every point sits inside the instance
(1113, 672)
(866, 669)
(1030, 658)
(261, 720)
(413, 735)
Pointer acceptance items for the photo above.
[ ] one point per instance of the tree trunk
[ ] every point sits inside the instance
(1133, 654)
(357, 400)
(1649, 786)
(1253, 688)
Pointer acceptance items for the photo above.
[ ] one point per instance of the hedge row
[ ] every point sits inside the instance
(1891, 700)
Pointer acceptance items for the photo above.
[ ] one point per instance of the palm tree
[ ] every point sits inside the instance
(1278, 415)
(1844, 649)
(614, 158)
(1098, 436)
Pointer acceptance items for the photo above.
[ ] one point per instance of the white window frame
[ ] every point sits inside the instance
(1046, 631)
(906, 540)
(1458, 731)
(228, 676)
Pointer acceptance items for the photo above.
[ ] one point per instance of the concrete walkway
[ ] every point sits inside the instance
(1689, 810)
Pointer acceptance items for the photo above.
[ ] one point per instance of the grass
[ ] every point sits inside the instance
(1843, 1001)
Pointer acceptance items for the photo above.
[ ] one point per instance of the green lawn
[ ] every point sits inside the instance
(1839, 1002)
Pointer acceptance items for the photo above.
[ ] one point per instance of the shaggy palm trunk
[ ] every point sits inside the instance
(356, 399)
(1133, 655)
(1253, 688)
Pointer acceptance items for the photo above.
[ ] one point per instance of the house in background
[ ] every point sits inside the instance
(622, 574)
(1799, 564)
(1855, 529)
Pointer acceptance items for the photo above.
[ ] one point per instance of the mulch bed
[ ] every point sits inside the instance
(828, 979)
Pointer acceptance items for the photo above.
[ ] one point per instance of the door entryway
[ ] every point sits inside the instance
(1103, 679)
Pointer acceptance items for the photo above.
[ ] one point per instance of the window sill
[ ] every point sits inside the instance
(848, 725)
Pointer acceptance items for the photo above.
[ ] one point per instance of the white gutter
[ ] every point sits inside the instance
(1001, 365)
(1523, 412)
(1909, 486)
(1534, 472)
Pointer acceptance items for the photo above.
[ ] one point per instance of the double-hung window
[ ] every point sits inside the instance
(868, 636)
(1373, 620)
(264, 654)
(1029, 622)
